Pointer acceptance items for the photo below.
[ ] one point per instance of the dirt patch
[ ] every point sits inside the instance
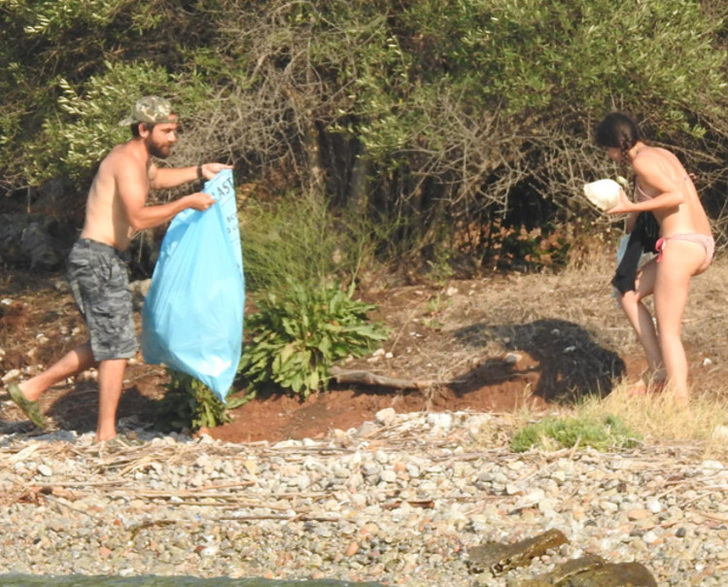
(343, 407)
(490, 344)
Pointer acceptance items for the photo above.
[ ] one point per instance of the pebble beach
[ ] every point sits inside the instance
(400, 501)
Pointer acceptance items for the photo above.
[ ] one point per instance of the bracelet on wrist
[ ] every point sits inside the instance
(199, 172)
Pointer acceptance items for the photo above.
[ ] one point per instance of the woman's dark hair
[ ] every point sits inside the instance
(617, 130)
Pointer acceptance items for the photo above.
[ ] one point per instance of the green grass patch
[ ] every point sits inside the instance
(605, 433)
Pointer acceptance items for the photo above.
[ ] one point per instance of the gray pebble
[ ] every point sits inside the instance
(403, 512)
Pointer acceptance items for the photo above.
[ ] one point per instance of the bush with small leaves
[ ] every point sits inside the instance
(296, 335)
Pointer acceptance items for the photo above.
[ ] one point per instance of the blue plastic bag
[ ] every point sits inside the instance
(192, 320)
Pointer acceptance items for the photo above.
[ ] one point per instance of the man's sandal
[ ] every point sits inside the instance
(29, 408)
(119, 443)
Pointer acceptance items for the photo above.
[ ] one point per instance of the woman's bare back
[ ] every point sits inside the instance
(687, 217)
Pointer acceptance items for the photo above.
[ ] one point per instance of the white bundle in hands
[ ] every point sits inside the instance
(603, 193)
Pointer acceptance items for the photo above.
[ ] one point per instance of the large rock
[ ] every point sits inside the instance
(34, 240)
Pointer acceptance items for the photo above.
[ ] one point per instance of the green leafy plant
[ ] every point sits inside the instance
(296, 336)
(435, 306)
(554, 433)
(189, 403)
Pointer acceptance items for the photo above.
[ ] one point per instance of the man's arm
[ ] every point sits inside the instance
(132, 190)
(170, 177)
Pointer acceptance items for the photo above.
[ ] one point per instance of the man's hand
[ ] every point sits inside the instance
(200, 201)
(210, 170)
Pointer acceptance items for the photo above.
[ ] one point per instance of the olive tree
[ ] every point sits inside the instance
(441, 118)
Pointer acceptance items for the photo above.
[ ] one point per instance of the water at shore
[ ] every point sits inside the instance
(15, 580)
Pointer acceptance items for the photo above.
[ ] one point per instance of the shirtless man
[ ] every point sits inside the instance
(97, 269)
(685, 248)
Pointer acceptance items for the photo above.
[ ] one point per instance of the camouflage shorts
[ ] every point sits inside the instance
(97, 275)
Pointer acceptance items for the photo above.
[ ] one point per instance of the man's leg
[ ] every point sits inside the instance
(111, 378)
(73, 362)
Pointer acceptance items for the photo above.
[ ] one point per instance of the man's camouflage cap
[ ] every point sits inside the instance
(152, 109)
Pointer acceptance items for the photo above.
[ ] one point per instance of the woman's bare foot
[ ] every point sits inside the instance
(654, 383)
(638, 388)
(657, 385)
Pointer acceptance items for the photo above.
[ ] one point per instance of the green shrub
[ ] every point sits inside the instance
(427, 115)
(554, 433)
(296, 238)
(189, 403)
(295, 337)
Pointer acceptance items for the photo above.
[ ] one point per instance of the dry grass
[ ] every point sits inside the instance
(582, 296)
(570, 322)
(659, 420)
(454, 324)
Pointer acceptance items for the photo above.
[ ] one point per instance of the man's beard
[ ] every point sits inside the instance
(158, 151)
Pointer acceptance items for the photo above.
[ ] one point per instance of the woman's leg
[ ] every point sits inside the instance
(641, 319)
(680, 260)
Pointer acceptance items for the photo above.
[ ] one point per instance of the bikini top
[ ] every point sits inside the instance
(643, 196)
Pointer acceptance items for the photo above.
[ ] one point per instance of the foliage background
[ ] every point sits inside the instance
(451, 126)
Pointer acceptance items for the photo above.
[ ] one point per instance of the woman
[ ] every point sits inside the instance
(685, 247)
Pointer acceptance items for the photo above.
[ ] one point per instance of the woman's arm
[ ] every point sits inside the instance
(650, 173)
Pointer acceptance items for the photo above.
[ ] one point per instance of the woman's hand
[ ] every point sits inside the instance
(623, 207)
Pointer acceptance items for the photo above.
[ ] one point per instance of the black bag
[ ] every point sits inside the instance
(642, 239)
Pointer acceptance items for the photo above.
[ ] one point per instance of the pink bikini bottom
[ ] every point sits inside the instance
(701, 239)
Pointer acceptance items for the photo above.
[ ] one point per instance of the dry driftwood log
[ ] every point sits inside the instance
(368, 378)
